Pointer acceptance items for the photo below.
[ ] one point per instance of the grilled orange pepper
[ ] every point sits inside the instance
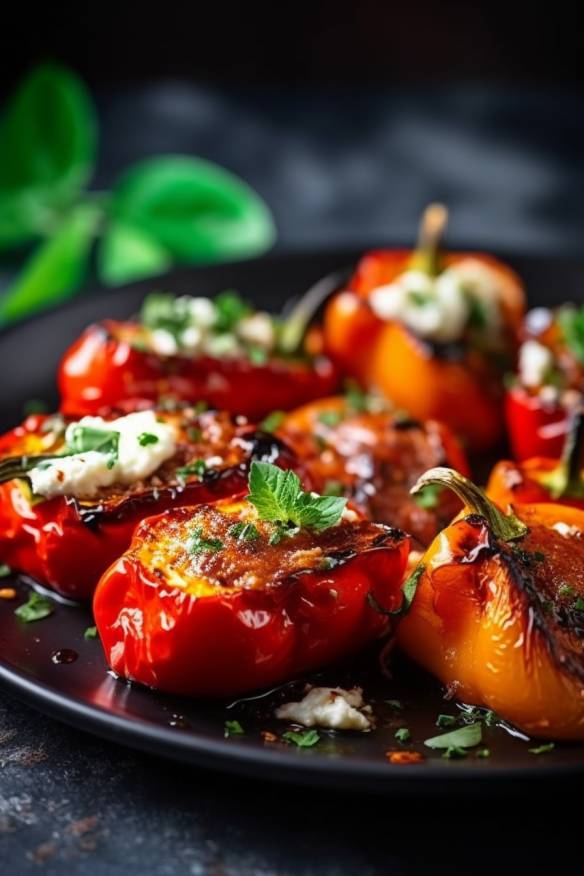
(498, 612)
(458, 383)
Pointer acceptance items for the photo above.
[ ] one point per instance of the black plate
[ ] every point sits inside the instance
(84, 694)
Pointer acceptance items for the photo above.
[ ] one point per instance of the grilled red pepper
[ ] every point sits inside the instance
(498, 614)
(214, 601)
(122, 364)
(448, 368)
(354, 446)
(66, 542)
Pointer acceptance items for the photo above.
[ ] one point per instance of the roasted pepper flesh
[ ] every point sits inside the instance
(243, 613)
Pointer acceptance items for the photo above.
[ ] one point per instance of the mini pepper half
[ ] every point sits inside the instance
(498, 614)
(227, 598)
(433, 331)
(72, 492)
(218, 351)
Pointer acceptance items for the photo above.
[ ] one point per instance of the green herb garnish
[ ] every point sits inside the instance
(445, 721)
(484, 752)
(231, 309)
(428, 497)
(197, 467)
(36, 608)
(147, 438)
(330, 418)
(357, 400)
(273, 421)
(279, 498)
(403, 734)
(545, 748)
(90, 633)
(571, 322)
(304, 739)
(198, 544)
(464, 737)
(455, 752)
(162, 310)
(257, 355)
(233, 728)
(565, 591)
(244, 531)
(579, 604)
(5, 570)
(82, 439)
(194, 434)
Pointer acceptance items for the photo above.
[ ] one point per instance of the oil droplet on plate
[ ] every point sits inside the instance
(64, 655)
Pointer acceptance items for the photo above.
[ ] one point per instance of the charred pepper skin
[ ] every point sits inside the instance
(212, 636)
(498, 620)
(102, 370)
(66, 544)
(463, 390)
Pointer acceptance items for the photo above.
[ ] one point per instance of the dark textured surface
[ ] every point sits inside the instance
(336, 169)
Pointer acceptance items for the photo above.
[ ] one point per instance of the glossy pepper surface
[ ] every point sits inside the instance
(460, 383)
(107, 367)
(66, 542)
(498, 612)
(353, 446)
(198, 607)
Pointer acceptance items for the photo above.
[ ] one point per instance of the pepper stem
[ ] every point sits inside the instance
(506, 526)
(566, 478)
(427, 256)
(296, 322)
(15, 467)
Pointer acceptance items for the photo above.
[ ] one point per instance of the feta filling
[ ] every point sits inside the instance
(535, 363)
(82, 475)
(330, 707)
(566, 529)
(440, 308)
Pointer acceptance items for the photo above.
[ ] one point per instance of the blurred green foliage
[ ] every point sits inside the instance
(164, 210)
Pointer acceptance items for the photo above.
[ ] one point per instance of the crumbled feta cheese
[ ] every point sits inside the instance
(535, 362)
(163, 343)
(202, 311)
(191, 339)
(566, 529)
(83, 474)
(257, 330)
(331, 707)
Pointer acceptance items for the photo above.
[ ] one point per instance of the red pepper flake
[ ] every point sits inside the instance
(267, 736)
(404, 757)
(7, 593)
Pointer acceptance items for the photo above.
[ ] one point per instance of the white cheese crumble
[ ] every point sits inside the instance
(566, 529)
(332, 707)
(439, 308)
(535, 363)
(83, 474)
(258, 330)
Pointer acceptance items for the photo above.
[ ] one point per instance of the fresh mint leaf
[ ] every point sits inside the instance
(304, 739)
(36, 608)
(162, 310)
(194, 209)
(279, 498)
(464, 737)
(579, 604)
(126, 254)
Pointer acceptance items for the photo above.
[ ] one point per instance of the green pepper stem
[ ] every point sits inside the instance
(566, 478)
(506, 526)
(427, 256)
(298, 319)
(14, 467)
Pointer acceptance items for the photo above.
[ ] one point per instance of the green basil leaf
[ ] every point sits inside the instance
(127, 253)
(56, 268)
(193, 208)
(36, 608)
(47, 151)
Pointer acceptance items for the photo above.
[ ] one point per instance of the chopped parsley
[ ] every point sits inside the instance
(545, 748)
(273, 421)
(257, 355)
(198, 544)
(491, 718)
(428, 497)
(484, 752)
(197, 467)
(279, 498)
(162, 310)
(357, 401)
(244, 531)
(90, 633)
(147, 438)
(455, 752)
(36, 608)
(579, 604)
(231, 309)
(445, 721)
(330, 418)
(82, 439)
(5, 570)
(565, 591)
(403, 734)
(463, 737)
(233, 728)
(304, 739)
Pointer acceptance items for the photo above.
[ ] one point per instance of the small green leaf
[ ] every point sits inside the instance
(545, 748)
(197, 467)
(126, 254)
(484, 752)
(47, 152)
(445, 721)
(199, 544)
(464, 737)
(455, 751)
(55, 270)
(194, 209)
(231, 309)
(233, 728)
(579, 604)
(304, 739)
(90, 633)
(331, 418)
(402, 734)
(244, 531)
(428, 497)
(5, 570)
(147, 438)
(272, 422)
(36, 608)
